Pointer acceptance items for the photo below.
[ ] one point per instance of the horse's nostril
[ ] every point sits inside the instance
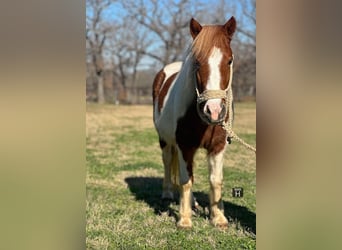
(213, 110)
(207, 111)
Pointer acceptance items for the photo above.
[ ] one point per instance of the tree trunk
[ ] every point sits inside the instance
(100, 90)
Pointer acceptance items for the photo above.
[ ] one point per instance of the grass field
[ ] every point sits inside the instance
(124, 181)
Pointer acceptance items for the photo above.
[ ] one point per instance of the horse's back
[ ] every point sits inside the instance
(161, 87)
(172, 68)
(163, 75)
(162, 83)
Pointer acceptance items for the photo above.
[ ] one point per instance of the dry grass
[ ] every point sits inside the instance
(124, 178)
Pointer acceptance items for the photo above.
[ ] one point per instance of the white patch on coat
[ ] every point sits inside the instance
(172, 68)
(168, 70)
(216, 167)
(176, 102)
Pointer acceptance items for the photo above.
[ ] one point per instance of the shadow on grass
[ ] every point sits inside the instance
(234, 213)
(148, 189)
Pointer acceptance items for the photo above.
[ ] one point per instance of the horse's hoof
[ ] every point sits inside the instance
(220, 222)
(184, 224)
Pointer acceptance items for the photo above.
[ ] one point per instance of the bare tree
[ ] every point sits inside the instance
(245, 68)
(168, 23)
(156, 32)
(244, 43)
(126, 46)
(96, 34)
(248, 21)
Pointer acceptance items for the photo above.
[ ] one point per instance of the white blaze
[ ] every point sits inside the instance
(214, 61)
(214, 80)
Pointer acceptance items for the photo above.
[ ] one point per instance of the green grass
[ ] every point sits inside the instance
(124, 180)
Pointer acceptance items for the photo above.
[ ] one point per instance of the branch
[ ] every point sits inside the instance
(246, 33)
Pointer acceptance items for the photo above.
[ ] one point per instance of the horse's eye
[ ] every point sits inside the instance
(230, 61)
(197, 64)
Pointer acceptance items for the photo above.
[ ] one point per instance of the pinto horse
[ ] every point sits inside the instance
(185, 121)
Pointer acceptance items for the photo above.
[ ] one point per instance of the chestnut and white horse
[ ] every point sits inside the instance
(185, 121)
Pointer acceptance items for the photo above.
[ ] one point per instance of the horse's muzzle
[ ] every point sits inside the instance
(213, 111)
(212, 106)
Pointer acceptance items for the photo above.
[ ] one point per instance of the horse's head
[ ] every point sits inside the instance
(213, 65)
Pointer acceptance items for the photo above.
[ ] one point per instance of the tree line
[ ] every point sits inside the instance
(128, 41)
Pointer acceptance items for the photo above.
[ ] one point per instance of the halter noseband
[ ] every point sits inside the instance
(207, 95)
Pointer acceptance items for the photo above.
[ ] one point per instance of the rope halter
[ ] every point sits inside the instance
(207, 95)
(215, 94)
(227, 96)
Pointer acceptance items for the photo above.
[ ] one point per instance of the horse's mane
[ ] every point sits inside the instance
(210, 36)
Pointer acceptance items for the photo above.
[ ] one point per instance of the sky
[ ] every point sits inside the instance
(115, 13)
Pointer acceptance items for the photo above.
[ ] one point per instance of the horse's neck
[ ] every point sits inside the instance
(181, 95)
(185, 85)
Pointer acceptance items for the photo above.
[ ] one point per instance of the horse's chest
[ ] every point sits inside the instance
(191, 132)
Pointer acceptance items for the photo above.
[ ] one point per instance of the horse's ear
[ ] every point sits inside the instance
(230, 26)
(195, 28)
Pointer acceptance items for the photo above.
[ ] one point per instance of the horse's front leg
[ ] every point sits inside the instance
(185, 176)
(216, 178)
(185, 206)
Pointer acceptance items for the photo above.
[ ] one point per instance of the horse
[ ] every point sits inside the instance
(189, 107)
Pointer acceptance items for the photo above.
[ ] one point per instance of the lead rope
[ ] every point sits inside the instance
(228, 126)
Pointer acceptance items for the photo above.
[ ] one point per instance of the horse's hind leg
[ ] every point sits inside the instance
(168, 154)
